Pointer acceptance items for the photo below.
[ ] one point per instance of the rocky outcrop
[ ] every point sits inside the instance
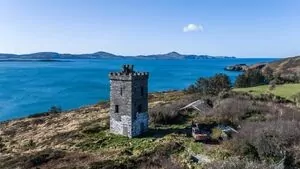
(237, 68)
(284, 68)
(244, 67)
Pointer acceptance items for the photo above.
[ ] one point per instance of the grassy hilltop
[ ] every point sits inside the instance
(284, 67)
(286, 90)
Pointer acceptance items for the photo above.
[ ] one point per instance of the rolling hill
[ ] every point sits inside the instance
(105, 55)
(285, 68)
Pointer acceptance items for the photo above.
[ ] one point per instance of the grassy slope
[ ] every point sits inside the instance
(285, 66)
(285, 90)
(80, 138)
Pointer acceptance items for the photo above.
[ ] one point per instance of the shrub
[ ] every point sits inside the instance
(55, 109)
(30, 144)
(2, 145)
(103, 103)
(233, 110)
(235, 163)
(42, 158)
(296, 98)
(165, 114)
(266, 140)
(169, 113)
(272, 85)
(52, 110)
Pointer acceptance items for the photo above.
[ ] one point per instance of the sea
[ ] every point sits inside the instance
(29, 87)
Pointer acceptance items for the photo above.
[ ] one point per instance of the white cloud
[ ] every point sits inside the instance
(193, 28)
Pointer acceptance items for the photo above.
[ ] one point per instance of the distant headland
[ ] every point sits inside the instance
(106, 55)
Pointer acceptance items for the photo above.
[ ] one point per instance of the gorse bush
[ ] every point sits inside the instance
(210, 86)
(267, 141)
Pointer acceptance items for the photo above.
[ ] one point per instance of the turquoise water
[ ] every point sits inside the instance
(32, 87)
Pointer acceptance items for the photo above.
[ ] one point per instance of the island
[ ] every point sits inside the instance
(106, 55)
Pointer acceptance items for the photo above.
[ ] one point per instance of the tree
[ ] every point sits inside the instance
(210, 86)
(202, 85)
(55, 109)
(241, 81)
(250, 78)
(268, 72)
(220, 82)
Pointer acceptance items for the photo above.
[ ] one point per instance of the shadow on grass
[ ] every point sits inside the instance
(161, 132)
(211, 142)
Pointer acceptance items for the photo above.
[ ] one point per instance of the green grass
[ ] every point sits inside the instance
(105, 140)
(285, 90)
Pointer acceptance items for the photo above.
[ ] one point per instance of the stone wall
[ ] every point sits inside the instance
(122, 127)
(128, 128)
(124, 100)
(140, 125)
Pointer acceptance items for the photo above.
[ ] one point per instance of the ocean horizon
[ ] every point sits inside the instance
(33, 87)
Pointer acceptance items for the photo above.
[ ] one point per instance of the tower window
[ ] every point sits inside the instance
(139, 108)
(142, 91)
(121, 91)
(116, 108)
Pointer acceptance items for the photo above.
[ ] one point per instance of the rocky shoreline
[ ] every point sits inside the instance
(243, 67)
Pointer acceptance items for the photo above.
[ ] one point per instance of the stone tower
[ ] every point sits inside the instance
(128, 102)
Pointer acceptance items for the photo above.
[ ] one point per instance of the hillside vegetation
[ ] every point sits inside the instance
(284, 67)
(265, 119)
(286, 90)
(80, 138)
(283, 70)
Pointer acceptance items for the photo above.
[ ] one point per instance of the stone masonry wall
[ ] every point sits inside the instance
(140, 125)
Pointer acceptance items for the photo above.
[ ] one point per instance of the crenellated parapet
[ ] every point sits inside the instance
(128, 73)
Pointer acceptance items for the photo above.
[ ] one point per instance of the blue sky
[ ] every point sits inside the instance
(244, 28)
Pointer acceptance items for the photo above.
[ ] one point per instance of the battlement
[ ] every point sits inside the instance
(127, 69)
(128, 73)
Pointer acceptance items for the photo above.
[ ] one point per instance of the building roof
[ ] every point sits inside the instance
(198, 105)
(227, 128)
